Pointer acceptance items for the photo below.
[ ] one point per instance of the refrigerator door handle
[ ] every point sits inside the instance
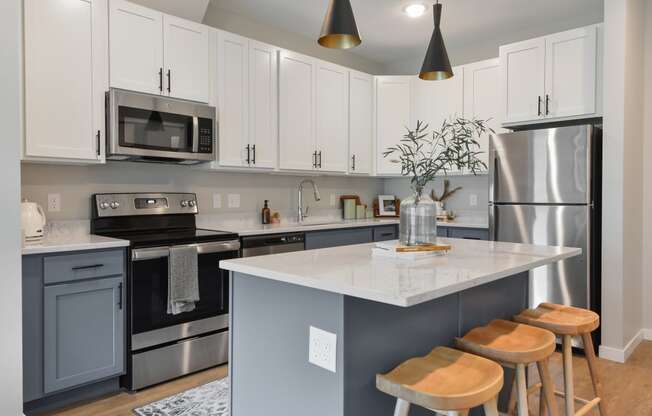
(493, 223)
(493, 175)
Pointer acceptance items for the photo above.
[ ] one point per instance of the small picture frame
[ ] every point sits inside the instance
(387, 206)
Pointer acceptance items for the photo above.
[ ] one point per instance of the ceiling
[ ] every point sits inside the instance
(389, 35)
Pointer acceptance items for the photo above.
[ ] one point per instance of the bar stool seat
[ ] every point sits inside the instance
(515, 345)
(560, 319)
(444, 380)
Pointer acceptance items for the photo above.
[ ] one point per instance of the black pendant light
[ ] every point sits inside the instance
(436, 65)
(339, 30)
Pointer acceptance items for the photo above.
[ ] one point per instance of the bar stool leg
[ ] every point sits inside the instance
(402, 408)
(568, 374)
(593, 369)
(521, 387)
(547, 390)
(491, 407)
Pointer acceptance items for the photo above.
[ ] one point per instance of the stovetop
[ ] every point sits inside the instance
(163, 237)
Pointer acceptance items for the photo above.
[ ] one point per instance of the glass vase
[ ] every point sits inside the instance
(418, 220)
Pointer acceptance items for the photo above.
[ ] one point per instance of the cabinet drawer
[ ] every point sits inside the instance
(385, 233)
(336, 238)
(71, 267)
(468, 233)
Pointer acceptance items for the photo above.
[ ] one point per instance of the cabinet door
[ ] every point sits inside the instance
(65, 78)
(361, 96)
(523, 80)
(136, 47)
(296, 111)
(263, 104)
(83, 332)
(571, 61)
(437, 101)
(233, 99)
(186, 59)
(482, 98)
(332, 117)
(392, 117)
(337, 238)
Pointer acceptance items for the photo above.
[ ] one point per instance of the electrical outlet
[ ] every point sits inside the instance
(217, 200)
(473, 200)
(322, 349)
(234, 200)
(54, 202)
(333, 200)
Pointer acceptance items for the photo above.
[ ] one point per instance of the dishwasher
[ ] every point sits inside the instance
(272, 244)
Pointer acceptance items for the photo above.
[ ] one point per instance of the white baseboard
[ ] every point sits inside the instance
(621, 355)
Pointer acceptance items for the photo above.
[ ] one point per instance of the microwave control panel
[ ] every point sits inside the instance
(205, 135)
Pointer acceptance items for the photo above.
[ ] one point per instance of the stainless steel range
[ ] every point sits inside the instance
(162, 346)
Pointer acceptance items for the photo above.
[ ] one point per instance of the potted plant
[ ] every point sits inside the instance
(423, 156)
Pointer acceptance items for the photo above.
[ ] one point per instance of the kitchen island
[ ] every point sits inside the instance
(382, 310)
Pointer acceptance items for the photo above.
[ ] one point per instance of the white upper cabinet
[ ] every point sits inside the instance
(523, 76)
(482, 98)
(361, 97)
(156, 53)
(553, 77)
(186, 59)
(263, 104)
(233, 100)
(136, 47)
(65, 79)
(571, 72)
(392, 118)
(297, 112)
(332, 116)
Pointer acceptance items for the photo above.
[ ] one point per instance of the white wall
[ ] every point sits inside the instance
(647, 173)
(11, 380)
(622, 176)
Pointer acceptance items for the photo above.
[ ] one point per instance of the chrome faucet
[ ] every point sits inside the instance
(301, 213)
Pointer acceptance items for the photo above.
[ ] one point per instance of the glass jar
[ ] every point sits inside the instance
(418, 220)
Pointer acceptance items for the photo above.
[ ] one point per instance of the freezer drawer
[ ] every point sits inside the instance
(566, 282)
(550, 166)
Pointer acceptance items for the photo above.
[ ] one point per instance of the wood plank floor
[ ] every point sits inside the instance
(628, 388)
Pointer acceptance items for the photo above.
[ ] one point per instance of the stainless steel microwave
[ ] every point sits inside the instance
(153, 128)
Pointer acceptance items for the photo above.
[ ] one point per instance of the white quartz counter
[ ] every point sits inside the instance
(353, 271)
(71, 236)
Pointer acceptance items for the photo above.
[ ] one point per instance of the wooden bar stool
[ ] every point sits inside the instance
(516, 346)
(445, 381)
(567, 322)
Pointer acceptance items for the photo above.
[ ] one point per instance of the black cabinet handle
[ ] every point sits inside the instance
(387, 234)
(253, 160)
(314, 159)
(160, 79)
(353, 159)
(320, 159)
(120, 296)
(539, 105)
(547, 104)
(169, 80)
(248, 154)
(92, 266)
(98, 135)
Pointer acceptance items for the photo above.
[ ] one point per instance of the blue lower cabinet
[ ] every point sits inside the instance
(442, 231)
(335, 238)
(83, 333)
(386, 233)
(469, 233)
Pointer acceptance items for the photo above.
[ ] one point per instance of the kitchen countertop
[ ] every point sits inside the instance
(71, 236)
(353, 271)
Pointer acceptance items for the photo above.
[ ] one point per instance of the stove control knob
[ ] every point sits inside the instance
(192, 203)
(104, 205)
(115, 205)
(184, 203)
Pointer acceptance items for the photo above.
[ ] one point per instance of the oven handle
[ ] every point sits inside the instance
(195, 134)
(140, 254)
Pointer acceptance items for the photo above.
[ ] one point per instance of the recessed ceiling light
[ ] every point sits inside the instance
(415, 8)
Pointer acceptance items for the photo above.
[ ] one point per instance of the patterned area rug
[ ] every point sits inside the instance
(211, 399)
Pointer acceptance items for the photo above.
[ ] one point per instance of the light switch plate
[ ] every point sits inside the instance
(217, 200)
(234, 200)
(473, 200)
(54, 202)
(322, 349)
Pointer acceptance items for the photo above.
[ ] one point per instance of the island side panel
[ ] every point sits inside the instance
(378, 337)
(269, 368)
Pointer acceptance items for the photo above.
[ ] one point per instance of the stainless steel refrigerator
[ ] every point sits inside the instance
(544, 188)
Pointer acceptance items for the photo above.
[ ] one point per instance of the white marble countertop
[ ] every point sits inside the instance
(71, 236)
(353, 271)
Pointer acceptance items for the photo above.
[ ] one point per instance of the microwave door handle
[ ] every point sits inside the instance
(195, 134)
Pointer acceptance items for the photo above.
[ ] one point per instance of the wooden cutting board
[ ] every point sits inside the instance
(423, 248)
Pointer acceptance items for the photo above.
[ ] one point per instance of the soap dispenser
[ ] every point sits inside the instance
(267, 214)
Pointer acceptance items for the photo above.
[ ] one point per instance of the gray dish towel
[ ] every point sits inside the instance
(183, 281)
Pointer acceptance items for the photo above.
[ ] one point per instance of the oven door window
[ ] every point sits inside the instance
(149, 283)
(156, 130)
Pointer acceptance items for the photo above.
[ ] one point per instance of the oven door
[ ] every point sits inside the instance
(151, 325)
(149, 126)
